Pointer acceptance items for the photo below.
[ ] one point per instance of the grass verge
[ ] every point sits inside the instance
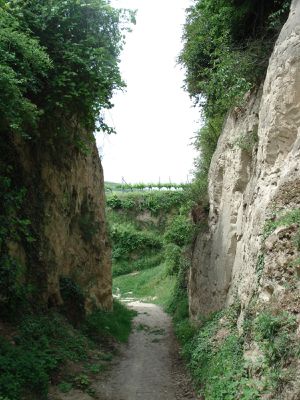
(152, 285)
(33, 354)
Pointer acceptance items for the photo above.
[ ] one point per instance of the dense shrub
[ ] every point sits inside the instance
(84, 58)
(180, 231)
(102, 325)
(154, 201)
(172, 255)
(43, 343)
(127, 240)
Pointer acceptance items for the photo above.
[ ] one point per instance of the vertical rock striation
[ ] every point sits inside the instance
(254, 175)
(66, 206)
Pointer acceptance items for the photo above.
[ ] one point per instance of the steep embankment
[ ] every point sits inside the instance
(58, 71)
(253, 183)
(65, 204)
(248, 257)
(147, 228)
(52, 195)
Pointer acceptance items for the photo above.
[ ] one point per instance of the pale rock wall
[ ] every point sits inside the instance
(247, 183)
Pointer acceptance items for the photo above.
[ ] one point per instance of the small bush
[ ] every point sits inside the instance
(275, 333)
(65, 387)
(102, 325)
(184, 331)
(172, 256)
(180, 231)
(246, 142)
(127, 240)
(42, 345)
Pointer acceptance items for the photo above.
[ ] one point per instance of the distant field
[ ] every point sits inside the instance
(116, 187)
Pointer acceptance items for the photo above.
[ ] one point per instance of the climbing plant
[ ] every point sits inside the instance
(58, 70)
(227, 45)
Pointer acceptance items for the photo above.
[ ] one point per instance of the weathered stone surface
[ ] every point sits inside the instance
(235, 260)
(66, 206)
(76, 229)
(247, 184)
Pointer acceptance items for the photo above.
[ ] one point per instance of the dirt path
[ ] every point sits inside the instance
(149, 367)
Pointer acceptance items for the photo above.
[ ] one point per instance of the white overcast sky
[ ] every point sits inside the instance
(154, 118)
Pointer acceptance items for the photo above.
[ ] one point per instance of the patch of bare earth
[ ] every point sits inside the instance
(148, 367)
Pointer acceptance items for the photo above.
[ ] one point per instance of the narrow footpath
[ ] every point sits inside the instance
(149, 366)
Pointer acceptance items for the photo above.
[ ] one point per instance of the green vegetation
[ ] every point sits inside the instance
(143, 262)
(42, 344)
(274, 334)
(59, 68)
(102, 325)
(214, 352)
(227, 45)
(282, 219)
(153, 285)
(247, 141)
(148, 228)
(180, 231)
(112, 187)
(62, 42)
(154, 201)
(127, 240)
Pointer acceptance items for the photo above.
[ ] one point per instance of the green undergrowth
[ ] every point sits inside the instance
(116, 324)
(128, 240)
(144, 262)
(153, 285)
(227, 46)
(214, 351)
(148, 229)
(153, 201)
(282, 219)
(41, 345)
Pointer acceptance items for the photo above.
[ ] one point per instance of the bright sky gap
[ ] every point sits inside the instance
(154, 118)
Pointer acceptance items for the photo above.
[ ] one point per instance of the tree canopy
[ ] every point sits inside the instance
(59, 58)
(59, 67)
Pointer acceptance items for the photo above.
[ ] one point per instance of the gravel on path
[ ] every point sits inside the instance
(149, 366)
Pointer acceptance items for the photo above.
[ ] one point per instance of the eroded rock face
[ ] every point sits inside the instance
(76, 229)
(67, 210)
(254, 173)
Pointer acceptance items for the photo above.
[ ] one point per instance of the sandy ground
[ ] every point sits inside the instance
(149, 367)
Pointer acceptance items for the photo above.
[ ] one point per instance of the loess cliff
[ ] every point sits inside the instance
(254, 178)
(248, 255)
(65, 203)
